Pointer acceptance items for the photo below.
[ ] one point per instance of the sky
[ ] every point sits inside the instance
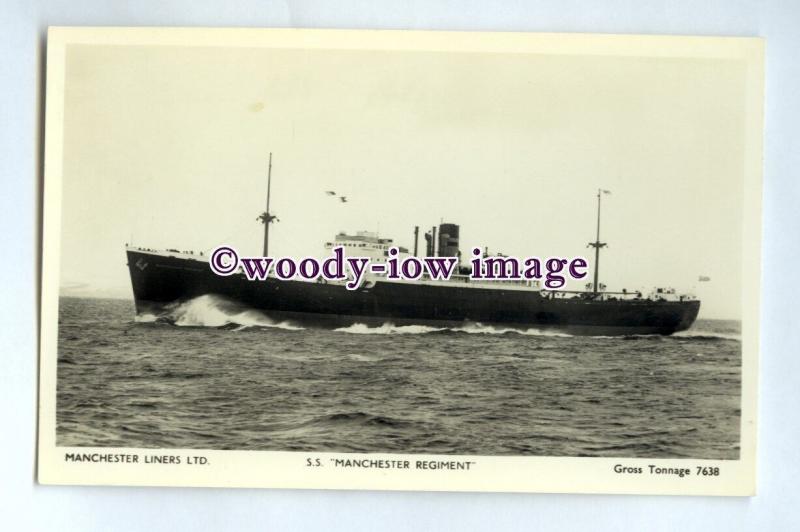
(167, 147)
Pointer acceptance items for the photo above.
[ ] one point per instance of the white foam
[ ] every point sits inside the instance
(470, 328)
(479, 328)
(388, 328)
(214, 311)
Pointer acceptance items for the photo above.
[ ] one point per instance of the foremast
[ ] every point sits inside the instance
(266, 217)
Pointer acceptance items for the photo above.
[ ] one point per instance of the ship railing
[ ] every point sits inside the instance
(466, 279)
(170, 251)
(613, 296)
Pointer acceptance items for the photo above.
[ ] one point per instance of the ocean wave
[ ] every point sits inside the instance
(214, 311)
(699, 334)
(388, 328)
(479, 328)
(469, 328)
(358, 418)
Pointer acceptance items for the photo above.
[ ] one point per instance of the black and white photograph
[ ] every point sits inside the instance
(401, 260)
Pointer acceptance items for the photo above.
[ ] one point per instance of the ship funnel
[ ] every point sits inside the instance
(448, 240)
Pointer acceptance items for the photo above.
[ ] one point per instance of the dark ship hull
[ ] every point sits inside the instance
(160, 280)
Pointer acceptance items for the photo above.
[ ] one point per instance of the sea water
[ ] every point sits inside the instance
(222, 376)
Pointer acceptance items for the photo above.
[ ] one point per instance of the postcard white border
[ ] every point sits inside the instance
(488, 473)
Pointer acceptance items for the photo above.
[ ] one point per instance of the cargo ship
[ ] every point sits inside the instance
(162, 278)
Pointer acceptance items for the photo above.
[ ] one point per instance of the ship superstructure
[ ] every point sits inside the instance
(365, 244)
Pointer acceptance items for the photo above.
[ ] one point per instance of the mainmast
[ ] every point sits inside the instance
(597, 244)
(266, 218)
